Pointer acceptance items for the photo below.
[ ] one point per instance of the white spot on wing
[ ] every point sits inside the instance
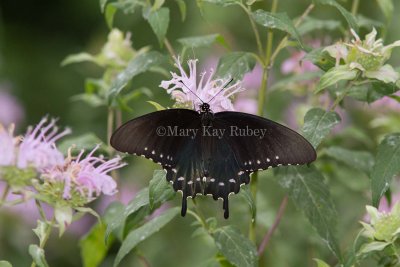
(232, 181)
(181, 179)
(221, 184)
(145, 148)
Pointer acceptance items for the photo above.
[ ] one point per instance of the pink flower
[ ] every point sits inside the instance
(294, 64)
(387, 104)
(246, 104)
(11, 110)
(7, 146)
(188, 91)
(88, 175)
(38, 147)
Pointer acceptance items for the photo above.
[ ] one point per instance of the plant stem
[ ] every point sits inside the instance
(354, 7)
(271, 231)
(41, 211)
(169, 48)
(5, 194)
(110, 127)
(341, 96)
(261, 103)
(254, 28)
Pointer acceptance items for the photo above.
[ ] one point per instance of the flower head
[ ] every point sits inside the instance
(368, 56)
(384, 226)
(38, 148)
(118, 49)
(191, 93)
(82, 178)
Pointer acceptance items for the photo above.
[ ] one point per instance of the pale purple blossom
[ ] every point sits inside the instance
(246, 104)
(38, 147)
(186, 89)
(7, 146)
(11, 111)
(87, 175)
(387, 104)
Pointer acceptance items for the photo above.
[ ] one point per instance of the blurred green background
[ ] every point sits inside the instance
(35, 36)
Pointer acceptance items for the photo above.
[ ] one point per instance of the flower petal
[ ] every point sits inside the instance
(385, 74)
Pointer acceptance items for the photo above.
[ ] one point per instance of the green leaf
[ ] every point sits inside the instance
(311, 24)
(334, 75)
(158, 4)
(86, 141)
(78, 58)
(202, 41)
(235, 65)
(280, 21)
(368, 23)
(321, 263)
(321, 58)
(387, 164)
(159, 21)
(109, 15)
(5, 264)
(246, 194)
(223, 3)
(346, 14)
(160, 190)
(236, 248)
(103, 4)
(93, 247)
(84, 210)
(318, 123)
(182, 8)
(387, 8)
(361, 160)
(140, 200)
(373, 246)
(156, 105)
(112, 211)
(63, 216)
(38, 257)
(138, 235)
(41, 230)
(310, 194)
(139, 64)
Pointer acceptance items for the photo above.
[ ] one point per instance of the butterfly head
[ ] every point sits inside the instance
(205, 108)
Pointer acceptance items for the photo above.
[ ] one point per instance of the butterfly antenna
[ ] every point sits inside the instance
(192, 91)
(221, 89)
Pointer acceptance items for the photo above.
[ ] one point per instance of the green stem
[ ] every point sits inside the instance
(5, 194)
(169, 48)
(354, 7)
(198, 218)
(341, 96)
(41, 211)
(254, 28)
(261, 103)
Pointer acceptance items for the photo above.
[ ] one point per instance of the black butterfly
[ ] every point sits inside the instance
(199, 159)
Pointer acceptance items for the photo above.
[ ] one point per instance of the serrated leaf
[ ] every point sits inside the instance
(387, 8)
(311, 24)
(156, 105)
(335, 75)
(41, 230)
(246, 194)
(93, 247)
(279, 21)
(160, 190)
(361, 160)
(5, 264)
(387, 164)
(37, 255)
(306, 188)
(78, 58)
(223, 3)
(318, 123)
(139, 64)
(236, 248)
(140, 200)
(138, 235)
(159, 21)
(182, 8)
(86, 141)
(346, 14)
(201, 41)
(373, 246)
(235, 65)
(321, 58)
